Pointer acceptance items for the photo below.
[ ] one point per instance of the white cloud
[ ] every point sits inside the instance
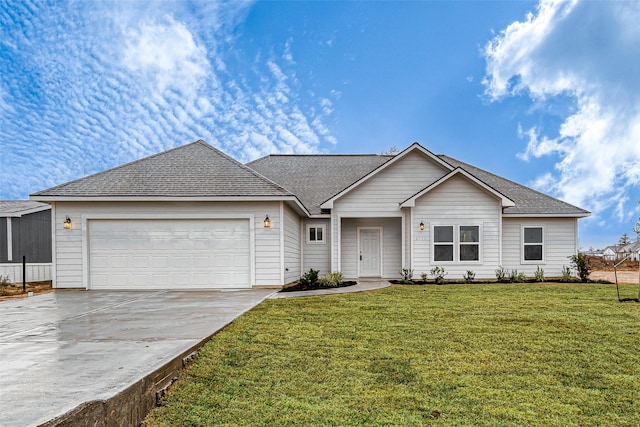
(589, 52)
(168, 53)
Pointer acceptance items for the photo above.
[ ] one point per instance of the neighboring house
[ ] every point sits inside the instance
(25, 231)
(630, 251)
(612, 253)
(193, 217)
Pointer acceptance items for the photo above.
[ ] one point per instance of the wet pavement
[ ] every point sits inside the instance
(65, 348)
(362, 286)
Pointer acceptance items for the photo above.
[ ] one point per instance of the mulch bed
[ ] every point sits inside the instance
(316, 285)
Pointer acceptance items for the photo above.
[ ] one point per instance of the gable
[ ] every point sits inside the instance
(383, 191)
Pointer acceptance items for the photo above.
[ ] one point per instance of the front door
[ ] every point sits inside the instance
(369, 240)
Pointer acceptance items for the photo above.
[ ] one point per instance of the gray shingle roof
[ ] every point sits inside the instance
(315, 178)
(192, 170)
(527, 200)
(18, 207)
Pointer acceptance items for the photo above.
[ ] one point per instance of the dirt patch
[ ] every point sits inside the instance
(15, 291)
(624, 276)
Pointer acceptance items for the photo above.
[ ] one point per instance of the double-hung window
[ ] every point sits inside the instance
(456, 243)
(533, 244)
(315, 234)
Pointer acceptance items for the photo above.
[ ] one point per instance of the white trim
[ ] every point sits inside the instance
(98, 216)
(282, 226)
(380, 249)
(301, 227)
(54, 253)
(316, 226)
(328, 204)
(456, 243)
(411, 201)
(543, 244)
(9, 240)
(540, 215)
(403, 239)
(338, 244)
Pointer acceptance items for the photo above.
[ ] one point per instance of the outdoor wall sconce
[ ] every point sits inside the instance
(266, 222)
(421, 226)
(67, 223)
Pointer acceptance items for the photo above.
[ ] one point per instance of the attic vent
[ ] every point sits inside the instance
(325, 211)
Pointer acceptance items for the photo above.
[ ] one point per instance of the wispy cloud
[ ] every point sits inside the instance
(83, 89)
(588, 52)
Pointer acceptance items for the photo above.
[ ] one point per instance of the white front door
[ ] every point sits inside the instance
(369, 243)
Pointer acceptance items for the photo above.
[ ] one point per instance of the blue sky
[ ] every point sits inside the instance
(544, 93)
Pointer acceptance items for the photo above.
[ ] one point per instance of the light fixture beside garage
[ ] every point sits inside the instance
(266, 222)
(67, 223)
(421, 226)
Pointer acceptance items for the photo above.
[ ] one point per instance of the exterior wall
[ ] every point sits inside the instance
(34, 272)
(30, 237)
(381, 195)
(70, 245)
(317, 255)
(291, 245)
(457, 202)
(560, 242)
(391, 245)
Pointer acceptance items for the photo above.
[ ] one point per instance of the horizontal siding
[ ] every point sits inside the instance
(291, 245)
(559, 244)
(69, 271)
(391, 245)
(383, 192)
(457, 202)
(317, 255)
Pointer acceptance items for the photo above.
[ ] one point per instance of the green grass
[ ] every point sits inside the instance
(458, 355)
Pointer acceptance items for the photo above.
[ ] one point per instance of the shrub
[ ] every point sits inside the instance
(539, 274)
(501, 274)
(309, 278)
(580, 262)
(469, 276)
(516, 277)
(423, 276)
(566, 274)
(438, 274)
(332, 279)
(406, 274)
(4, 282)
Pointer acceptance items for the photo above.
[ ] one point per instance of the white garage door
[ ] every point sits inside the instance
(169, 254)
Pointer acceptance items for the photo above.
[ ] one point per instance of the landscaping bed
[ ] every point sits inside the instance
(15, 290)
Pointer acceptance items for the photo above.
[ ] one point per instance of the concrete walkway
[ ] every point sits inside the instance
(363, 285)
(66, 348)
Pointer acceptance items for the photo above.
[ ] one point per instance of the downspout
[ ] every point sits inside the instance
(282, 225)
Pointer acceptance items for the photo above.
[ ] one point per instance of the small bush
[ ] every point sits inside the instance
(423, 276)
(332, 279)
(516, 277)
(539, 274)
(469, 276)
(406, 274)
(580, 262)
(501, 274)
(438, 274)
(566, 274)
(309, 278)
(4, 282)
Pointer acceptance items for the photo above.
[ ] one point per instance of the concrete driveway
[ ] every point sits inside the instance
(63, 349)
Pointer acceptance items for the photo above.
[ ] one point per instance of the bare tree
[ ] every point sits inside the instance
(390, 152)
(624, 240)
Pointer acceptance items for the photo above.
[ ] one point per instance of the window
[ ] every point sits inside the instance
(469, 243)
(452, 243)
(315, 234)
(533, 242)
(443, 243)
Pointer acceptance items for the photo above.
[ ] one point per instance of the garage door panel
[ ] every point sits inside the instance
(169, 254)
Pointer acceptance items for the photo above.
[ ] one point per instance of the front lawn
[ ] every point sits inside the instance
(464, 355)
